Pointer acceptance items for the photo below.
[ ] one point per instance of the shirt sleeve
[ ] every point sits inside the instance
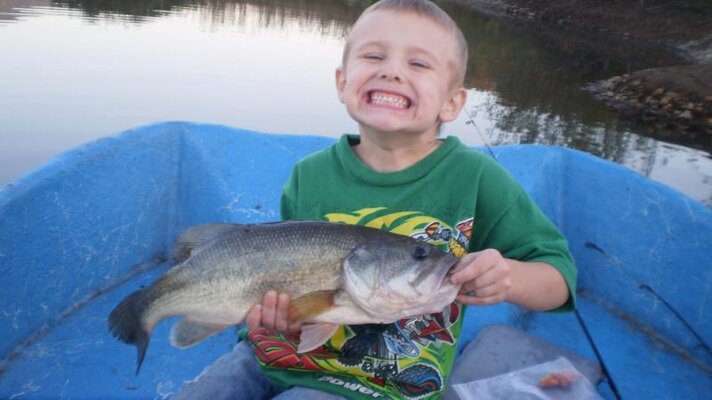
(508, 220)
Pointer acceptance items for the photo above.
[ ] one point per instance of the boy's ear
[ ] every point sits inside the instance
(340, 83)
(452, 107)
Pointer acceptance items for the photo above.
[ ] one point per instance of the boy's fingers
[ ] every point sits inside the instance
(484, 290)
(281, 321)
(462, 270)
(253, 319)
(462, 263)
(488, 278)
(479, 301)
(468, 269)
(476, 265)
(269, 309)
(273, 314)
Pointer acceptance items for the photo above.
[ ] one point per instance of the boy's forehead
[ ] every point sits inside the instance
(385, 25)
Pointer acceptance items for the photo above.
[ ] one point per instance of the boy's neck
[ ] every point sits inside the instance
(392, 152)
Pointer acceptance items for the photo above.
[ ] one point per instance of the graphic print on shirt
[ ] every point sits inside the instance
(457, 239)
(414, 224)
(405, 359)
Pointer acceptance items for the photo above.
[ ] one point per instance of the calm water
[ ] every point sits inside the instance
(72, 72)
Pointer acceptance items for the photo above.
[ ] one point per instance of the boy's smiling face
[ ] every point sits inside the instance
(400, 74)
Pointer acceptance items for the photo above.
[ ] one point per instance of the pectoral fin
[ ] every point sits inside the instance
(186, 333)
(314, 335)
(312, 304)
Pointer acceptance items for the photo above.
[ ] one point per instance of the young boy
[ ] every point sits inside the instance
(401, 77)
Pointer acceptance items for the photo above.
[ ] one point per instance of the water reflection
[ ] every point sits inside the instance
(329, 17)
(112, 9)
(686, 169)
(268, 65)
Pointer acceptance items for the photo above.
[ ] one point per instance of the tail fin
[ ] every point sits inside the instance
(125, 325)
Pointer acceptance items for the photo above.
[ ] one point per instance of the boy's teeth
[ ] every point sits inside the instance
(389, 100)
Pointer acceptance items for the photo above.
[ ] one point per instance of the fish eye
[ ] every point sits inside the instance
(420, 253)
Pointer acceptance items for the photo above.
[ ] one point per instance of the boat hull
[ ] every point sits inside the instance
(93, 225)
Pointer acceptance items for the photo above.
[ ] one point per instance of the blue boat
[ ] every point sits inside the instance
(94, 224)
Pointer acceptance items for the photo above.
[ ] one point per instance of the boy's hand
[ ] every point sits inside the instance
(273, 314)
(485, 276)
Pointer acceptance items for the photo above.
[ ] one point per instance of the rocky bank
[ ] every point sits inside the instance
(676, 100)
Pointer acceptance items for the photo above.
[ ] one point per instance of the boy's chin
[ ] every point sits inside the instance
(386, 130)
(388, 126)
(396, 130)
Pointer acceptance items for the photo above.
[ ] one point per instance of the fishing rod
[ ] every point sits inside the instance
(471, 121)
(611, 383)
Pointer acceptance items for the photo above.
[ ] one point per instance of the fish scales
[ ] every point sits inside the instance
(264, 259)
(336, 269)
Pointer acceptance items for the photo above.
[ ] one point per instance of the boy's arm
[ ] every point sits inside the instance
(507, 219)
(489, 278)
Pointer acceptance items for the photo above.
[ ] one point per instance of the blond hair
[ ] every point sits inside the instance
(429, 10)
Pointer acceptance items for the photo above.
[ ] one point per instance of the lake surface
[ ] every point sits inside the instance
(73, 72)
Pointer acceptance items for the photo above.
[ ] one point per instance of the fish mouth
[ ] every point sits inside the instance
(445, 271)
(387, 99)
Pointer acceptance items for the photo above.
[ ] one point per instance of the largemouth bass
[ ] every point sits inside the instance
(335, 274)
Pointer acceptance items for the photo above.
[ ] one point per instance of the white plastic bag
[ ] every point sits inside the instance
(525, 384)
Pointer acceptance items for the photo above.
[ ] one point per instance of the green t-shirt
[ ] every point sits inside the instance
(456, 199)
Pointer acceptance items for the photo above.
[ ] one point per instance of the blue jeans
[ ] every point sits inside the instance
(496, 350)
(236, 375)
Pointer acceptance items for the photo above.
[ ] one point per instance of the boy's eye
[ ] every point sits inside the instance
(419, 64)
(373, 56)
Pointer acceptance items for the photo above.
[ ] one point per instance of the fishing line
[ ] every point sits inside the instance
(471, 121)
(582, 324)
(611, 382)
(679, 316)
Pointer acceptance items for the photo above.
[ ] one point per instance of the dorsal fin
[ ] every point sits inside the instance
(197, 236)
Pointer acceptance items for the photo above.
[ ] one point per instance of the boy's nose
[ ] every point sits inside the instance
(391, 72)
(391, 76)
